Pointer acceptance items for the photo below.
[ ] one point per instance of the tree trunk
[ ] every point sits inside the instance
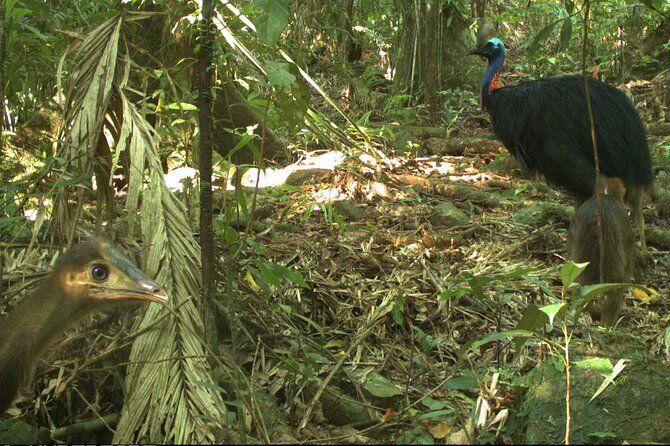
(205, 117)
(353, 48)
(431, 54)
(431, 98)
(3, 24)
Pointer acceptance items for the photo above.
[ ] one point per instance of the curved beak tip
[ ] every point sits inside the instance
(155, 294)
(152, 291)
(159, 296)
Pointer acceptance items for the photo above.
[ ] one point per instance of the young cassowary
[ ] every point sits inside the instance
(618, 248)
(90, 277)
(545, 125)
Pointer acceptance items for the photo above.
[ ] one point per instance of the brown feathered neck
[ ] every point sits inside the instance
(28, 330)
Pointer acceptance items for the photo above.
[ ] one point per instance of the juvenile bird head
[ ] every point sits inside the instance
(490, 49)
(95, 273)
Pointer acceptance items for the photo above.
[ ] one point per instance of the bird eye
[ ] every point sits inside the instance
(99, 273)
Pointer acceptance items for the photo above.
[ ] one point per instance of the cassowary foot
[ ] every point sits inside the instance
(643, 261)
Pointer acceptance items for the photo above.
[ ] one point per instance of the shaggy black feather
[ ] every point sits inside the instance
(545, 125)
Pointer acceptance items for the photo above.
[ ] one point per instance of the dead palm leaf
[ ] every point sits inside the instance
(166, 401)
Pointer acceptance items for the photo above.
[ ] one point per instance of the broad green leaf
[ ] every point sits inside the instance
(599, 365)
(292, 94)
(436, 414)
(37, 32)
(566, 33)
(546, 289)
(210, 386)
(182, 106)
(570, 271)
(17, 13)
(465, 382)
(435, 405)
(9, 5)
(381, 387)
(272, 20)
(541, 36)
(278, 74)
(499, 336)
(532, 319)
(552, 310)
(591, 291)
(453, 292)
(83, 180)
(285, 273)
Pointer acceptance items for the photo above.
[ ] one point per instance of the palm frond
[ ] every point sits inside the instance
(89, 91)
(165, 401)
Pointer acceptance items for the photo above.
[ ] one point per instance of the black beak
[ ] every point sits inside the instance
(481, 50)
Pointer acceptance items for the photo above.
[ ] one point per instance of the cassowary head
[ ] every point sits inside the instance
(491, 49)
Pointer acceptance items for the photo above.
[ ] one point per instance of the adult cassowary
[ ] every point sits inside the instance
(545, 125)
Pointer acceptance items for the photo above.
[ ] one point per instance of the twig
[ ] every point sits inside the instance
(566, 360)
(85, 427)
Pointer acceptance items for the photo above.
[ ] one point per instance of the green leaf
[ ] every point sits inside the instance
(541, 36)
(453, 291)
(17, 13)
(598, 365)
(210, 386)
(83, 180)
(546, 289)
(466, 382)
(491, 337)
(278, 74)
(37, 32)
(569, 6)
(569, 272)
(272, 20)
(381, 387)
(436, 414)
(294, 102)
(566, 33)
(603, 435)
(9, 5)
(552, 310)
(532, 319)
(433, 404)
(591, 291)
(182, 106)
(235, 403)
(283, 272)
(397, 311)
(259, 278)
(268, 272)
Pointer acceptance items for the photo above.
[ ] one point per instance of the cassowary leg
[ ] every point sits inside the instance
(634, 199)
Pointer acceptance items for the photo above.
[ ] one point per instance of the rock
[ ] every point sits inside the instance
(447, 215)
(348, 210)
(307, 176)
(13, 431)
(542, 213)
(177, 179)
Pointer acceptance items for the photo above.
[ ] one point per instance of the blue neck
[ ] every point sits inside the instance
(494, 66)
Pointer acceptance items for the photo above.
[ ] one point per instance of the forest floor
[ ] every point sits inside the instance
(362, 282)
(406, 262)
